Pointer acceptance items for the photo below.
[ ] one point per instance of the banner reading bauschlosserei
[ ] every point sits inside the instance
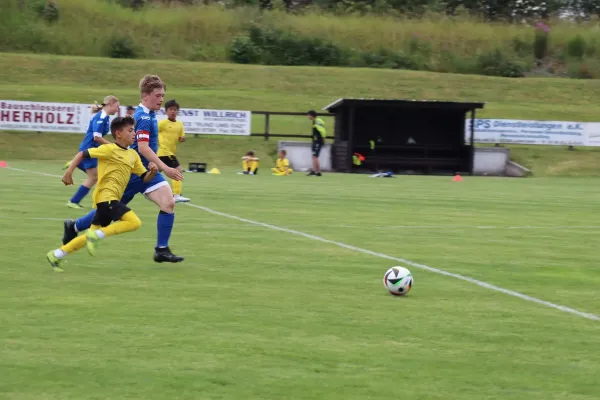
(558, 133)
(42, 117)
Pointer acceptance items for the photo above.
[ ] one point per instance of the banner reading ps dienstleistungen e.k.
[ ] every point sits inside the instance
(558, 133)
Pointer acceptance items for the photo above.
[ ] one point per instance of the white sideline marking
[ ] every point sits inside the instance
(483, 284)
(458, 227)
(406, 262)
(382, 228)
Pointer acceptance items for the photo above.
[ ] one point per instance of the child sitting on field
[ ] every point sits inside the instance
(249, 164)
(282, 165)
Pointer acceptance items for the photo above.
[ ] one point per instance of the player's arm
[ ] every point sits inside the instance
(182, 134)
(151, 173)
(146, 174)
(100, 139)
(99, 136)
(143, 140)
(99, 152)
(68, 176)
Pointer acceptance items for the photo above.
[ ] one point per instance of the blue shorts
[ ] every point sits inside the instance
(88, 163)
(136, 185)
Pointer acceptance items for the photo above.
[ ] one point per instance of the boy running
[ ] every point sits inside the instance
(152, 91)
(116, 163)
(171, 132)
(98, 127)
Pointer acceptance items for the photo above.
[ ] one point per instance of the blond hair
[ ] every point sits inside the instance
(151, 82)
(107, 100)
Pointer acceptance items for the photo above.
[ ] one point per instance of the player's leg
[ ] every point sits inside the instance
(245, 167)
(159, 192)
(55, 256)
(177, 184)
(316, 171)
(72, 228)
(91, 170)
(125, 221)
(253, 165)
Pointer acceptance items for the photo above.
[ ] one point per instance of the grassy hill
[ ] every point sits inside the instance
(81, 79)
(206, 33)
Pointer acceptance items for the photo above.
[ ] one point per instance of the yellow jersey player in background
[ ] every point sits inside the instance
(170, 133)
(116, 163)
(282, 165)
(249, 164)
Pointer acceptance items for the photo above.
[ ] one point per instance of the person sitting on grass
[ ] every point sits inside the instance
(282, 165)
(249, 164)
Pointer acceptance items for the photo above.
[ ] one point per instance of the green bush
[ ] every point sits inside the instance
(121, 47)
(450, 62)
(576, 47)
(50, 12)
(269, 46)
(582, 70)
(522, 48)
(385, 58)
(243, 51)
(494, 63)
(134, 4)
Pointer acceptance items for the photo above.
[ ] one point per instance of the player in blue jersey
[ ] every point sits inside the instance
(94, 137)
(158, 191)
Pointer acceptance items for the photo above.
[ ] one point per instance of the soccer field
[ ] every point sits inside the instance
(281, 296)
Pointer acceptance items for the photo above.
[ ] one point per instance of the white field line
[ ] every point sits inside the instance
(464, 278)
(405, 262)
(362, 228)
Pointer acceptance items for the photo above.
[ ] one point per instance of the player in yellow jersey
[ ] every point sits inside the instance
(171, 132)
(249, 164)
(116, 163)
(282, 165)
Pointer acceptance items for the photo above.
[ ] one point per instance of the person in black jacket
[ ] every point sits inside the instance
(318, 141)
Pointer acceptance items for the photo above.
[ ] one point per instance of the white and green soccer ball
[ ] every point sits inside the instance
(398, 281)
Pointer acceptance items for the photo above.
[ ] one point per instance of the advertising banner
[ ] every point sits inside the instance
(42, 117)
(528, 132)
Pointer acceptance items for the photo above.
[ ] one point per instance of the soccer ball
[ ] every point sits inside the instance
(398, 281)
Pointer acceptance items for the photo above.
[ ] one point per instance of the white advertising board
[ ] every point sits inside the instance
(42, 117)
(558, 133)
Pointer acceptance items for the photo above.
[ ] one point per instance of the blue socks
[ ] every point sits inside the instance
(80, 194)
(164, 225)
(85, 222)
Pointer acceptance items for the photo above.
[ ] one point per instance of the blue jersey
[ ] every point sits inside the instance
(99, 126)
(146, 130)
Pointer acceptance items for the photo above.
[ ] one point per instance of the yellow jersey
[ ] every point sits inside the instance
(115, 166)
(282, 164)
(169, 133)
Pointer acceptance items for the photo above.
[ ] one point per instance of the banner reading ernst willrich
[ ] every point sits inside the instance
(42, 117)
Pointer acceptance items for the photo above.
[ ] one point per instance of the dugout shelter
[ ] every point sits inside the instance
(403, 136)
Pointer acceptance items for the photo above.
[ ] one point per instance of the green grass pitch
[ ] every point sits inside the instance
(259, 313)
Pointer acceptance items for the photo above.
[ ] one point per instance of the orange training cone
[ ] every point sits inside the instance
(3, 164)
(457, 178)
